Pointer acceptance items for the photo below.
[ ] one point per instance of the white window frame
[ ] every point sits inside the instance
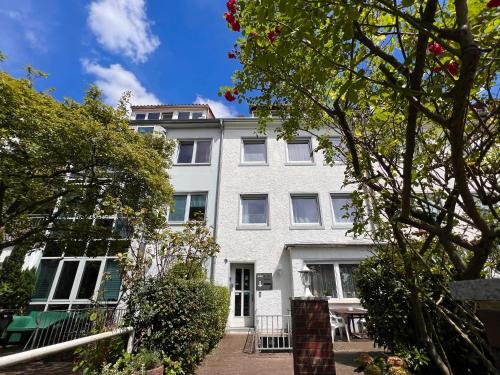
(253, 140)
(293, 224)
(337, 162)
(154, 119)
(141, 113)
(51, 301)
(338, 280)
(242, 225)
(334, 221)
(311, 153)
(188, 205)
(195, 147)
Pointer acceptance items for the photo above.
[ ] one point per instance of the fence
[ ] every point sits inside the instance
(273, 332)
(53, 327)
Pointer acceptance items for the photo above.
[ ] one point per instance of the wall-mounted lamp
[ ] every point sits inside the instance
(305, 275)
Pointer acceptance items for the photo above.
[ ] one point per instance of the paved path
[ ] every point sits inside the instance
(229, 359)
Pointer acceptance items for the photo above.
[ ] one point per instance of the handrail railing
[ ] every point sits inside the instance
(35, 354)
(53, 327)
(273, 332)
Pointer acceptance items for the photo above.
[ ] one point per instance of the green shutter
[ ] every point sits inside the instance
(111, 281)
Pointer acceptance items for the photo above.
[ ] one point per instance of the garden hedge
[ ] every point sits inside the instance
(183, 318)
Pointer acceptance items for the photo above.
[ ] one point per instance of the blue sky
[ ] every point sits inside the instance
(164, 51)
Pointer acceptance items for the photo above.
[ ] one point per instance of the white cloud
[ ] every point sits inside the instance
(219, 109)
(121, 26)
(115, 80)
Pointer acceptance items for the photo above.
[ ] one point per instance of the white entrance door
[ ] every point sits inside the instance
(242, 298)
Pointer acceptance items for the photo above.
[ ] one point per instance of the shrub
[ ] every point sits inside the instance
(131, 364)
(385, 294)
(16, 284)
(184, 319)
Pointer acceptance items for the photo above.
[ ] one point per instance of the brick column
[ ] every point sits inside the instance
(311, 337)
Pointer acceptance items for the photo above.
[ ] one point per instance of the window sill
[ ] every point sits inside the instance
(191, 164)
(253, 165)
(300, 227)
(253, 227)
(298, 163)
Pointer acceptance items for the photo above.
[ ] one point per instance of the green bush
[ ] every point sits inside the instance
(184, 319)
(16, 284)
(384, 293)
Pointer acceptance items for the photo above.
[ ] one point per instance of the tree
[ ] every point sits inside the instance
(69, 159)
(411, 89)
(16, 284)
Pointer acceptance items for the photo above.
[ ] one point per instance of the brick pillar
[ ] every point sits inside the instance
(311, 337)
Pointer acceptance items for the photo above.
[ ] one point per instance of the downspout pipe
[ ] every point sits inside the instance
(217, 193)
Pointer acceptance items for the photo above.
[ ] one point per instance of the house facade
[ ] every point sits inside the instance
(276, 209)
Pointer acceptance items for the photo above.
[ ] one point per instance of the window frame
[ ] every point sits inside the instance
(145, 114)
(188, 206)
(253, 140)
(77, 280)
(342, 160)
(253, 226)
(338, 279)
(154, 113)
(293, 224)
(311, 161)
(195, 148)
(336, 224)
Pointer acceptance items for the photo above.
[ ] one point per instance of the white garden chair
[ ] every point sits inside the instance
(339, 323)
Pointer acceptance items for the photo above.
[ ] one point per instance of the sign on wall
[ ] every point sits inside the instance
(264, 281)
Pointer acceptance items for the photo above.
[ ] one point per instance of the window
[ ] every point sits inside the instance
(305, 210)
(167, 115)
(194, 152)
(254, 151)
(140, 116)
(197, 115)
(145, 129)
(188, 207)
(154, 116)
(336, 280)
(66, 279)
(299, 151)
(343, 211)
(45, 277)
(254, 210)
(337, 156)
(323, 280)
(89, 280)
(183, 115)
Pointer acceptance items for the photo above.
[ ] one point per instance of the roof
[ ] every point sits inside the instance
(169, 106)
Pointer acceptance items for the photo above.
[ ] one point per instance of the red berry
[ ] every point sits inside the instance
(271, 36)
(231, 55)
(493, 3)
(436, 69)
(277, 30)
(236, 92)
(229, 96)
(452, 67)
(235, 25)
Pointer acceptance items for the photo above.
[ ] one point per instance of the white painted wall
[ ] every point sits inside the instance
(265, 247)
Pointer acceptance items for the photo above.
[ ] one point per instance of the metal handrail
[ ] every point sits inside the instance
(72, 324)
(35, 354)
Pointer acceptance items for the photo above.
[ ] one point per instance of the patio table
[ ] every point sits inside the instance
(349, 314)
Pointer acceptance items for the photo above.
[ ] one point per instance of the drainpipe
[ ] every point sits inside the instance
(217, 192)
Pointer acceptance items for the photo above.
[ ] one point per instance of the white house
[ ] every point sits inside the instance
(276, 209)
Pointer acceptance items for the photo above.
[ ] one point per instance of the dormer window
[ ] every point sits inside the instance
(183, 115)
(167, 115)
(197, 115)
(154, 116)
(140, 116)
